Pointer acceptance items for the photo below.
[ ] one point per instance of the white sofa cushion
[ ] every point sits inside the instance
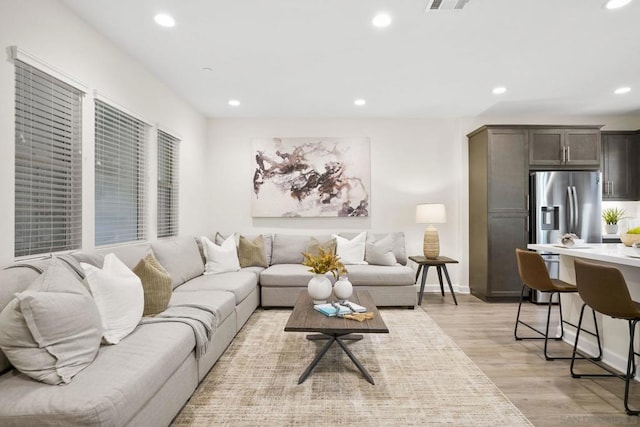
(118, 294)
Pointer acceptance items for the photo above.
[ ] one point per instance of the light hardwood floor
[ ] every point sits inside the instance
(543, 390)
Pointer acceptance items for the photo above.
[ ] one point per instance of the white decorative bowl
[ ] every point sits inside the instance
(629, 239)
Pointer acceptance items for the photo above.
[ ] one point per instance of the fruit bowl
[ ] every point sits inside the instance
(629, 239)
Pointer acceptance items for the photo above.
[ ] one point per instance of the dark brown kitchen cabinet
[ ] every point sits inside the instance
(498, 211)
(564, 147)
(619, 160)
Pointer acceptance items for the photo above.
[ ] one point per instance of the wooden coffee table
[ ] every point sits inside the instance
(334, 329)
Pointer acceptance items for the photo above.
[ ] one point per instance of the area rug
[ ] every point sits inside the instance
(422, 378)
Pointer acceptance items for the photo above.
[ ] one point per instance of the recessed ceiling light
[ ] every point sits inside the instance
(621, 90)
(381, 20)
(164, 20)
(498, 90)
(234, 102)
(360, 102)
(615, 4)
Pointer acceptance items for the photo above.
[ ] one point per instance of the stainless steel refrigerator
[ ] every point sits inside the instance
(564, 202)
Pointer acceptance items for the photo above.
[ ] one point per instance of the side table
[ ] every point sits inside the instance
(440, 264)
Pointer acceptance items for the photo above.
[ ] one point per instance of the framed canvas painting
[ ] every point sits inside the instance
(311, 177)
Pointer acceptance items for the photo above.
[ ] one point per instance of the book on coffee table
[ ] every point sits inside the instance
(348, 307)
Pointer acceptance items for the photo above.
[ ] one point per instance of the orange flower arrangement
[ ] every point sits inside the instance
(324, 262)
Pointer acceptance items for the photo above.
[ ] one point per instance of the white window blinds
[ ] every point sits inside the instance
(168, 150)
(119, 192)
(48, 163)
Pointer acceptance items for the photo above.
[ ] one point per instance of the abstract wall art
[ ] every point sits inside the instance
(311, 177)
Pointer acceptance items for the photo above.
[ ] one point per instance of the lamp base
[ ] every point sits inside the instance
(431, 245)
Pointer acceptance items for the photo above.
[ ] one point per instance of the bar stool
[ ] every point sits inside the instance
(534, 275)
(604, 290)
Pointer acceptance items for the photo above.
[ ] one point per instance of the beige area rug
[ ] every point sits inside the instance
(422, 378)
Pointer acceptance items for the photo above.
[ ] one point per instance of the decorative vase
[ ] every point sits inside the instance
(611, 228)
(343, 288)
(319, 288)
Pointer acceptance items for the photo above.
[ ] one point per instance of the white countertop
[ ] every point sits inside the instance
(615, 253)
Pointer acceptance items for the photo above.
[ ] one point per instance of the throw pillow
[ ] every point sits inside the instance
(118, 294)
(52, 330)
(251, 253)
(380, 252)
(156, 285)
(288, 249)
(220, 258)
(351, 251)
(314, 246)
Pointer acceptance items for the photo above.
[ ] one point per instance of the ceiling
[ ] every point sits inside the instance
(313, 58)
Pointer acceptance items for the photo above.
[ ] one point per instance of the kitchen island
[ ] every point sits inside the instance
(614, 333)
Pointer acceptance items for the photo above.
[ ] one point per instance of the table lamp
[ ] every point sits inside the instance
(431, 213)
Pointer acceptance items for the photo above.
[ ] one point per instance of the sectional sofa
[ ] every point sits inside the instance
(148, 376)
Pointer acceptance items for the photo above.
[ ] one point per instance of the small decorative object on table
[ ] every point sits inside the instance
(319, 286)
(332, 309)
(343, 288)
(570, 239)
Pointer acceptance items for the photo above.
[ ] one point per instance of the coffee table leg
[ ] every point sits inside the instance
(355, 361)
(315, 361)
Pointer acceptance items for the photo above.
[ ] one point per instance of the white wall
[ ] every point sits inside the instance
(412, 161)
(49, 31)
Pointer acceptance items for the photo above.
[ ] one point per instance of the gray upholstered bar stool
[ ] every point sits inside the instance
(534, 275)
(604, 290)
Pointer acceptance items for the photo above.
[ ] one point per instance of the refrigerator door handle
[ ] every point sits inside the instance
(575, 209)
(570, 210)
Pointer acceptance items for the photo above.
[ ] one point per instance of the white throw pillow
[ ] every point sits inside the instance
(220, 258)
(351, 251)
(118, 293)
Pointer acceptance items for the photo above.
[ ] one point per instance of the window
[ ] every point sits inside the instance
(119, 169)
(168, 146)
(48, 163)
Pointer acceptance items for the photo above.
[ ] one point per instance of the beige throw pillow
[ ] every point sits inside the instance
(251, 253)
(314, 246)
(156, 285)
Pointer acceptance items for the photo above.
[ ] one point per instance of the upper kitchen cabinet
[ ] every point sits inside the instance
(564, 148)
(619, 152)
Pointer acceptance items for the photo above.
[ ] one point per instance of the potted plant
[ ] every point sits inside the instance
(611, 216)
(319, 286)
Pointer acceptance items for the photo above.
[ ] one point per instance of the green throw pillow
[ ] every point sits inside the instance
(251, 253)
(156, 285)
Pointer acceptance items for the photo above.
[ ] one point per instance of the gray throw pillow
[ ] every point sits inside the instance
(380, 252)
(288, 249)
(52, 330)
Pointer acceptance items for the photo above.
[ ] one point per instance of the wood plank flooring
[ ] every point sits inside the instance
(543, 390)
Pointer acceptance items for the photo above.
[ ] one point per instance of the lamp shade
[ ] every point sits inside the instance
(431, 213)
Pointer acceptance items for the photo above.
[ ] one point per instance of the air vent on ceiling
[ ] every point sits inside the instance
(433, 5)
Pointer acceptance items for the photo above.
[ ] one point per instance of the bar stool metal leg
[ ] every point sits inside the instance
(545, 335)
(631, 363)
